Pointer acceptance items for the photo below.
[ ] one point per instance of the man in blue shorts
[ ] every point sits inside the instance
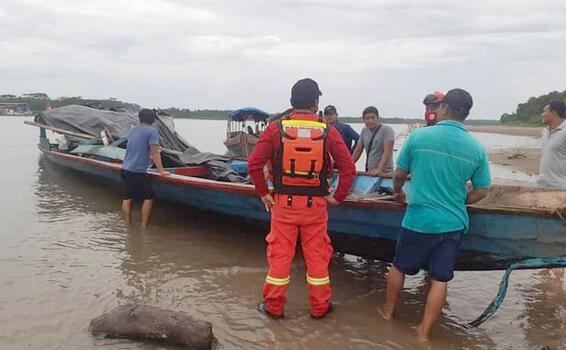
(143, 145)
(441, 161)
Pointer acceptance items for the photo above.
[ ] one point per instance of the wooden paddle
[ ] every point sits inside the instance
(60, 131)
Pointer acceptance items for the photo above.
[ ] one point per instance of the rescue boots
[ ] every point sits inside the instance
(329, 310)
(262, 307)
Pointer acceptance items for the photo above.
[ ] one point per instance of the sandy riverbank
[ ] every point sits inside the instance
(525, 160)
(507, 130)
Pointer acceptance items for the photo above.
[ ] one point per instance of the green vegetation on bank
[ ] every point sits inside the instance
(39, 101)
(529, 113)
(210, 114)
(418, 121)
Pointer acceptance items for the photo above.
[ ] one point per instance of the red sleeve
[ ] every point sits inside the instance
(344, 162)
(261, 154)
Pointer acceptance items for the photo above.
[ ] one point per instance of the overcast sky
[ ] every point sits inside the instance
(227, 54)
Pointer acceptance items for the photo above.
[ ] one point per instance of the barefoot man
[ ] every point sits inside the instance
(441, 160)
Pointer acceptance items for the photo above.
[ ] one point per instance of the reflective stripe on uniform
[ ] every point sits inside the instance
(307, 123)
(318, 281)
(278, 281)
(298, 173)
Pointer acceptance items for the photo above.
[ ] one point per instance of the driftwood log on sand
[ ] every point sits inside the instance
(147, 322)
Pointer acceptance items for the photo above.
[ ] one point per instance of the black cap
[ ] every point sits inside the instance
(330, 110)
(304, 93)
(459, 101)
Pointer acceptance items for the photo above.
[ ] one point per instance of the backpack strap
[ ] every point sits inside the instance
(368, 150)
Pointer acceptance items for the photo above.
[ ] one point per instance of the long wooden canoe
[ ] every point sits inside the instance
(363, 225)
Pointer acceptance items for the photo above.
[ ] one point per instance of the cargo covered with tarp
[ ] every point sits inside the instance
(177, 151)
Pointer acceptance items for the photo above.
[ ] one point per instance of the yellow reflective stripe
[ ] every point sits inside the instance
(318, 281)
(303, 123)
(278, 281)
(298, 173)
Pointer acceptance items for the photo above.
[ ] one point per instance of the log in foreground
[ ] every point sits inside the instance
(147, 322)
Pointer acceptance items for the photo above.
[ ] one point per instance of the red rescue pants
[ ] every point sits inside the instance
(289, 218)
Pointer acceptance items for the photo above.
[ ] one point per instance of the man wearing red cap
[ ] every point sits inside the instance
(299, 148)
(432, 104)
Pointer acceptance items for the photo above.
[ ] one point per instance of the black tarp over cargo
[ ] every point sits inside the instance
(176, 149)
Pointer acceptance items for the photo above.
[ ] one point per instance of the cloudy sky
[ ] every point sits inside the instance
(227, 54)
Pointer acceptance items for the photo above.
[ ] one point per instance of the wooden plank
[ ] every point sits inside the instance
(504, 209)
(60, 131)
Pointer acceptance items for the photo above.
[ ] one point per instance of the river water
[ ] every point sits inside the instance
(66, 257)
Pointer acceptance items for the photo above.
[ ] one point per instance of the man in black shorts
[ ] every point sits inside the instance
(143, 145)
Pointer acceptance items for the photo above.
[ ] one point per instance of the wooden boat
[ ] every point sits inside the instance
(243, 131)
(504, 228)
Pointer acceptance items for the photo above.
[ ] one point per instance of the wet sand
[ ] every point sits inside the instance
(526, 160)
(507, 130)
(519, 159)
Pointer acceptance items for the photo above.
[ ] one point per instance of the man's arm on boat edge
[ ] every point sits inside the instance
(345, 164)
(476, 195)
(399, 180)
(481, 181)
(155, 153)
(402, 171)
(261, 154)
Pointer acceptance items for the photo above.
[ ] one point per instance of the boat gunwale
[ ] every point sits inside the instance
(249, 190)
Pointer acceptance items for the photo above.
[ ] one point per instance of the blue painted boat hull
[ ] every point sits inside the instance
(361, 227)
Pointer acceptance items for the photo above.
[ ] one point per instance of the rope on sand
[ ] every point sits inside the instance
(534, 263)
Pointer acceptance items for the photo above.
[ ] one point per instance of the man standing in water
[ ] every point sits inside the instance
(348, 134)
(553, 162)
(441, 160)
(299, 147)
(377, 139)
(143, 144)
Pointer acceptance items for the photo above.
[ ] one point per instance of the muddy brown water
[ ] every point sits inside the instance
(66, 257)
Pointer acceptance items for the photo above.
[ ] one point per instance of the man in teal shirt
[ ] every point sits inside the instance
(441, 160)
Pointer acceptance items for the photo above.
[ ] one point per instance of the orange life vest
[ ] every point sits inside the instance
(301, 164)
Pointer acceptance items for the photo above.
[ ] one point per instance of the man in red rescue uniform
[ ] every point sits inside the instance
(432, 104)
(299, 148)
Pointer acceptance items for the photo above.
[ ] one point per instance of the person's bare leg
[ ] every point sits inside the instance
(395, 282)
(127, 210)
(146, 212)
(558, 272)
(434, 304)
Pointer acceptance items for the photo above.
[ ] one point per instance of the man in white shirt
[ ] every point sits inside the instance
(553, 161)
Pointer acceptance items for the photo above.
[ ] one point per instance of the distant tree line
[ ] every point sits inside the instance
(396, 120)
(197, 114)
(39, 101)
(529, 113)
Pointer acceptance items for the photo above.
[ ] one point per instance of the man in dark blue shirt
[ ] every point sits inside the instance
(348, 134)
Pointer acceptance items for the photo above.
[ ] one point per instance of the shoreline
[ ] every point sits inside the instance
(526, 160)
(507, 130)
(520, 159)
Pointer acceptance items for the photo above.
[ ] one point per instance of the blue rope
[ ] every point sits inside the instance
(534, 263)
